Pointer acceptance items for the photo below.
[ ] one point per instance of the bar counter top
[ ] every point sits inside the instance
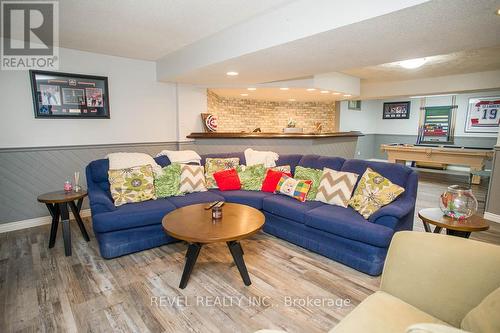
(262, 135)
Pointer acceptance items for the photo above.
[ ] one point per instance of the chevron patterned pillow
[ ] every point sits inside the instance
(192, 179)
(335, 187)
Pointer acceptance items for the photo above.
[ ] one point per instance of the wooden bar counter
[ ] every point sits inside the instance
(342, 144)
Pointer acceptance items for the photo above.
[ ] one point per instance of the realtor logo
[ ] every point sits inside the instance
(30, 35)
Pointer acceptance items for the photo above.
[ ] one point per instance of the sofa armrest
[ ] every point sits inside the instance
(100, 201)
(398, 209)
(444, 276)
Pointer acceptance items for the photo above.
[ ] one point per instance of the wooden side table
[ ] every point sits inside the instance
(58, 202)
(454, 227)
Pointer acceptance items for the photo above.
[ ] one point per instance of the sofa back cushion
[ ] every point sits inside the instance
(289, 159)
(320, 162)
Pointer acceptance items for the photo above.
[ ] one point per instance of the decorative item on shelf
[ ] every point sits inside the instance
(318, 127)
(67, 186)
(257, 130)
(290, 127)
(209, 122)
(458, 202)
(77, 187)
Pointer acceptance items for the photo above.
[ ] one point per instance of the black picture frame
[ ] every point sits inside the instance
(396, 110)
(68, 95)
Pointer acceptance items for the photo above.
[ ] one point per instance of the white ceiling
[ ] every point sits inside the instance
(149, 29)
(463, 62)
(275, 94)
(432, 28)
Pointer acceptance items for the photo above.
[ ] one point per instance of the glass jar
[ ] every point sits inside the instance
(458, 202)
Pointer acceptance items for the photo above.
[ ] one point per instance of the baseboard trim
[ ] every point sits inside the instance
(34, 222)
(492, 217)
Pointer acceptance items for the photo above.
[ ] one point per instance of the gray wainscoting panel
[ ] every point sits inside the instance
(27, 172)
(492, 205)
(365, 149)
(343, 147)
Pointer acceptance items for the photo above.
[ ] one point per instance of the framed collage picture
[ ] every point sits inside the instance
(64, 95)
(483, 115)
(396, 110)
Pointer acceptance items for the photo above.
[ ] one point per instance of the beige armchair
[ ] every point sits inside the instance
(432, 278)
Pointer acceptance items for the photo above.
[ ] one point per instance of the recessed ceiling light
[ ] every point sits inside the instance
(252, 89)
(412, 63)
(291, 99)
(498, 11)
(336, 93)
(232, 73)
(347, 95)
(244, 94)
(284, 88)
(324, 91)
(310, 89)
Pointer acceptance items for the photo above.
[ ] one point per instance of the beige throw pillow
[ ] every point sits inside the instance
(484, 318)
(192, 179)
(335, 187)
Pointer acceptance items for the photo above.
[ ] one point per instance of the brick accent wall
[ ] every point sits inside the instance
(237, 115)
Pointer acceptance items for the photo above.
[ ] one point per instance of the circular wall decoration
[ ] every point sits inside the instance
(210, 122)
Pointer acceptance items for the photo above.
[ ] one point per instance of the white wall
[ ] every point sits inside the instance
(369, 119)
(191, 102)
(142, 109)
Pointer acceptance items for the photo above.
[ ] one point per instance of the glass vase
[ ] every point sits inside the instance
(458, 202)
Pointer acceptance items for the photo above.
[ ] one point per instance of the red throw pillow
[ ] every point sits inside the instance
(227, 180)
(272, 179)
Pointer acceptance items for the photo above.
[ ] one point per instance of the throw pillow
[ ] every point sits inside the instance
(251, 177)
(294, 188)
(118, 161)
(272, 179)
(373, 192)
(169, 182)
(213, 165)
(309, 174)
(192, 179)
(484, 317)
(282, 168)
(227, 180)
(134, 184)
(335, 187)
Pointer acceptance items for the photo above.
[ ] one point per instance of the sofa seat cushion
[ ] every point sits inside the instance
(195, 198)
(288, 207)
(132, 215)
(383, 313)
(249, 198)
(348, 223)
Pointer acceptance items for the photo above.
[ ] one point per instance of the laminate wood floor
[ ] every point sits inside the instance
(41, 290)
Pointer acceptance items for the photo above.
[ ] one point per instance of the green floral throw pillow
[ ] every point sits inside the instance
(134, 184)
(168, 183)
(212, 165)
(251, 177)
(309, 174)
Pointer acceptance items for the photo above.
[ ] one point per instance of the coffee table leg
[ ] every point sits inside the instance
(237, 253)
(65, 226)
(458, 233)
(426, 226)
(191, 256)
(76, 213)
(54, 212)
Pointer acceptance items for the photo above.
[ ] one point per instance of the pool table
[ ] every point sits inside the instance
(474, 158)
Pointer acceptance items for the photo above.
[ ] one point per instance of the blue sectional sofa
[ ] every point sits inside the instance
(335, 232)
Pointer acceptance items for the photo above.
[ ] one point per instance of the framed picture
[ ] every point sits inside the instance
(396, 110)
(354, 105)
(64, 95)
(483, 115)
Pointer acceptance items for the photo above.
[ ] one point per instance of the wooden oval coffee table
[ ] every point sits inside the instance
(454, 227)
(194, 225)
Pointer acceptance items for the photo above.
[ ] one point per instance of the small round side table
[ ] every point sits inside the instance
(454, 227)
(58, 202)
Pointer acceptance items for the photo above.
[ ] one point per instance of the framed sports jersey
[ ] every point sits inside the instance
(483, 115)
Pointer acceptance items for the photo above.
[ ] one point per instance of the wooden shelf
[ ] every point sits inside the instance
(244, 135)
